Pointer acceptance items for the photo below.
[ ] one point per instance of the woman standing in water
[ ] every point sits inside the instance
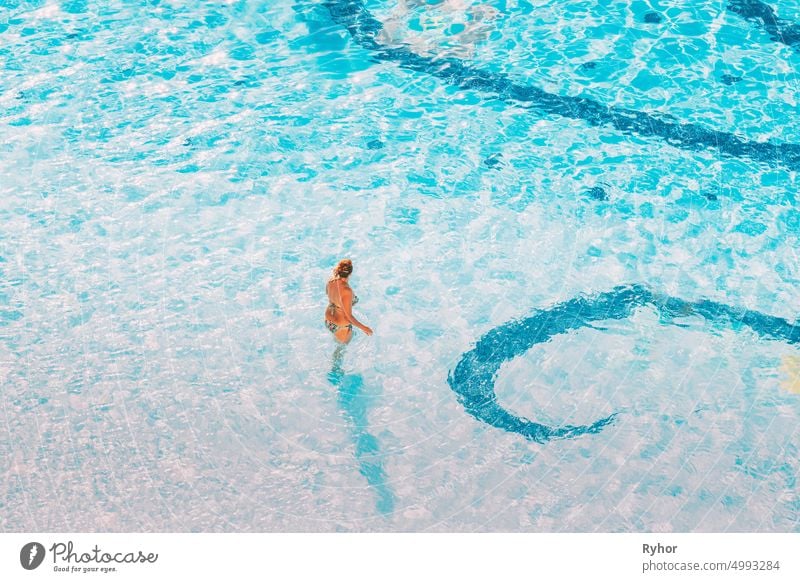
(339, 318)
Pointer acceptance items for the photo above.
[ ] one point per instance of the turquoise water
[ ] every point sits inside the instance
(178, 182)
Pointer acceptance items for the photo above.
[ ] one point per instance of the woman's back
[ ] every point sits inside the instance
(338, 292)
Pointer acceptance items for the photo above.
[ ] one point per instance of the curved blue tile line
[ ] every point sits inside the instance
(364, 28)
(778, 29)
(473, 377)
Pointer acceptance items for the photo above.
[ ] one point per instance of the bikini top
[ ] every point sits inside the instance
(355, 300)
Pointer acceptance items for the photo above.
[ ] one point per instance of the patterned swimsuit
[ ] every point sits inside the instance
(332, 327)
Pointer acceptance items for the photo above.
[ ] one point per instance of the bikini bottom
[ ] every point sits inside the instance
(333, 328)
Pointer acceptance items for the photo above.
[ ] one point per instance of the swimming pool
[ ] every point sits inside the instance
(561, 214)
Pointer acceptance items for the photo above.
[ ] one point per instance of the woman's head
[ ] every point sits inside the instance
(343, 269)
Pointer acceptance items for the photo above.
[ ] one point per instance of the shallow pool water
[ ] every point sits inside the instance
(179, 179)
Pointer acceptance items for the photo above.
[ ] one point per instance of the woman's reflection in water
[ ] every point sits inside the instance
(354, 402)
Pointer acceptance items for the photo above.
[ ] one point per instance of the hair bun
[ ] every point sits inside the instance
(344, 268)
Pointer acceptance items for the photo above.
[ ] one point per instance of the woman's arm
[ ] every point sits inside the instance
(346, 297)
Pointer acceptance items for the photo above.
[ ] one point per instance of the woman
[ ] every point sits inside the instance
(339, 318)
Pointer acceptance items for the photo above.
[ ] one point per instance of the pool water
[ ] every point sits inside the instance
(561, 214)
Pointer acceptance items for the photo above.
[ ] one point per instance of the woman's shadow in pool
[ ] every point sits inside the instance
(354, 402)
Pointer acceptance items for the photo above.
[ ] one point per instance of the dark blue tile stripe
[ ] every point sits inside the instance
(474, 376)
(363, 27)
(778, 29)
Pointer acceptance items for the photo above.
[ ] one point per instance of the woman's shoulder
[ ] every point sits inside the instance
(339, 285)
